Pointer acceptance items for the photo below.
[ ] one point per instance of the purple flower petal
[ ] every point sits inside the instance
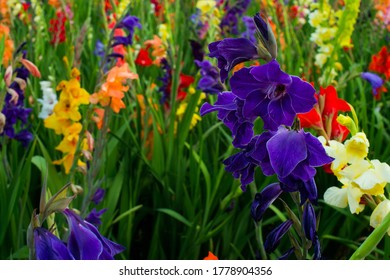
(286, 149)
(243, 83)
(317, 155)
(302, 95)
(49, 247)
(230, 52)
(82, 242)
(271, 73)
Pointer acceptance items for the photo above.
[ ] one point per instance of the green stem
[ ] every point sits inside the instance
(372, 240)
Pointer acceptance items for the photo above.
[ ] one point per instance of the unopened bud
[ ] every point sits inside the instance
(31, 67)
(14, 95)
(76, 189)
(348, 123)
(267, 46)
(22, 83)
(8, 76)
(2, 122)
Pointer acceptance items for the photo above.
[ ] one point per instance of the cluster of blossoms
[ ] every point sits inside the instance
(383, 13)
(14, 115)
(276, 97)
(158, 52)
(65, 119)
(57, 28)
(232, 13)
(363, 179)
(8, 45)
(84, 241)
(333, 30)
(207, 16)
(112, 91)
(48, 101)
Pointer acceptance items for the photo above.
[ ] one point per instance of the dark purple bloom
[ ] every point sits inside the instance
(292, 156)
(241, 166)
(129, 23)
(264, 199)
(230, 52)
(233, 13)
(15, 111)
(99, 49)
(49, 247)
(85, 241)
(272, 94)
(94, 217)
(197, 50)
(309, 222)
(165, 88)
(229, 109)
(98, 196)
(209, 82)
(375, 81)
(273, 238)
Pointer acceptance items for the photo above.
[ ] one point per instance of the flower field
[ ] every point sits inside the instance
(194, 129)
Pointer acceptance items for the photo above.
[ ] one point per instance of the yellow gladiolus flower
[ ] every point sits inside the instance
(357, 147)
(379, 213)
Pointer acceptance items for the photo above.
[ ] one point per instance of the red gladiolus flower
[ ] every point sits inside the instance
(57, 28)
(380, 62)
(185, 82)
(324, 114)
(143, 58)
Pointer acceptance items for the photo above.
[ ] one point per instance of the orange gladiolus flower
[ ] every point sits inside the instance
(8, 44)
(211, 256)
(113, 90)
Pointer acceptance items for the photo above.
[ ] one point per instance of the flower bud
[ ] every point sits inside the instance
(267, 46)
(2, 122)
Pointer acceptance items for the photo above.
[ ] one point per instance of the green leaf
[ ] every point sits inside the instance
(175, 215)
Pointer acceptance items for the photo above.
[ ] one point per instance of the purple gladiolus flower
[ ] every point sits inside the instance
(94, 217)
(209, 82)
(292, 156)
(230, 19)
(230, 52)
(264, 199)
(129, 23)
(229, 109)
(250, 32)
(49, 247)
(272, 94)
(197, 50)
(273, 238)
(15, 111)
(98, 196)
(241, 166)
(86, 243)
(375, 81)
